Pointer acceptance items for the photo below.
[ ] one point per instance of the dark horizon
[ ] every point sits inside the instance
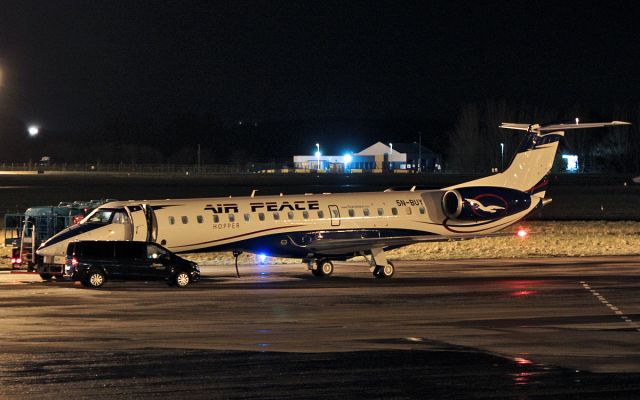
(174, 75)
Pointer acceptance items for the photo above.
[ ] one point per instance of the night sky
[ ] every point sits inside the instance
(72, 65)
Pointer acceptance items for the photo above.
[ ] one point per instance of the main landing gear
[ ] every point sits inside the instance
(379, 266)
(322, 267)
(378, 263)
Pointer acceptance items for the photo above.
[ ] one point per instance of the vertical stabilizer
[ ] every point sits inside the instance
(534, 158)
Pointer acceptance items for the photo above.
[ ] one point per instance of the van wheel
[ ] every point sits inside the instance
(94, 279)
(46, 277)
(181, 279)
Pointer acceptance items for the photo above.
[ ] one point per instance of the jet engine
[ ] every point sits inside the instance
(483, 203)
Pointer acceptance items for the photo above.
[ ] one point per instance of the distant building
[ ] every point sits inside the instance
(377, 157)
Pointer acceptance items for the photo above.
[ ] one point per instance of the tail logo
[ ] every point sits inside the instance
(491, 209)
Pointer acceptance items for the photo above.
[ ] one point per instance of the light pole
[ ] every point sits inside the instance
(318, 154)
(501, 156)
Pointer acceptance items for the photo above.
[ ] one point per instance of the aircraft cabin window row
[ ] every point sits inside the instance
(291, 215)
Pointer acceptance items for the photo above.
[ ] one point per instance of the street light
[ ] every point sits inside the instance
(33, 130)
(318, 155)
(501, 156)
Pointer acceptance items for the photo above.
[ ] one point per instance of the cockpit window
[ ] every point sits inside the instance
(120, 217)
(108, 215)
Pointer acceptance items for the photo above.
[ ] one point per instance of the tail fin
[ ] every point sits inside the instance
(533, 160)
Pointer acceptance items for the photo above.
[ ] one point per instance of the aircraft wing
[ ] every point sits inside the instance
(341, 246)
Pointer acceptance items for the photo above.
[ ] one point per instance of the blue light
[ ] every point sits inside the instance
(572, 162)
(318, 154)
(347, 158)
(262, 258)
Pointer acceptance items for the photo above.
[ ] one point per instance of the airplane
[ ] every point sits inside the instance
(321, 228)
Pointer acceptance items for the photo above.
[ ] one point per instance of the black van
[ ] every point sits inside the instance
(93, 262)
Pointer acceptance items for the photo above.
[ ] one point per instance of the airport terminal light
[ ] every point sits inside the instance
(501, 156)
(33, 130)
(347, 158)
(391, 147)
(318, 155)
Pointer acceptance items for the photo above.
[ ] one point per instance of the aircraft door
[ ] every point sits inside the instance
(335, 215)
(140, 227)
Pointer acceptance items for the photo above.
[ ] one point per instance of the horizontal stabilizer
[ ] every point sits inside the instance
(559, 127)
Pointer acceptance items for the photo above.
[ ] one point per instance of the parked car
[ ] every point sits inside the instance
(93, 262)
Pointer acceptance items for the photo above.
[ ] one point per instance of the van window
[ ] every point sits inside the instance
(185, 219)
(130, 250)
(199, 219)
(94, 249)
(155, 252)
(172, 220)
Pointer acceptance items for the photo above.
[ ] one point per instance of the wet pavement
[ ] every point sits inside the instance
(560, 327)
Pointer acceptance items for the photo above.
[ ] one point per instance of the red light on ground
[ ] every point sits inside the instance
(522, 361)
(522, 233)
(521, 293)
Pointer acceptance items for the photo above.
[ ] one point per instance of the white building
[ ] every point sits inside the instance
(377, 157)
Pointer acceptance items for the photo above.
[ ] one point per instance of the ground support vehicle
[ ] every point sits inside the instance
(24, 232)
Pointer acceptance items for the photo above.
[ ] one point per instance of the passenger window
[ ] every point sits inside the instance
(216, 219)
(320, 214)
(290, 214)
(185, 219)
(232, 217)
(421, 209)
(351, 212)
(305, 214)
(408, 210)
(261, 216)
(380, 211)
(335, 213)
(247, 217)
(199, 219)
(172, 220)
(365, 211)
(276, 216)
(394, 211)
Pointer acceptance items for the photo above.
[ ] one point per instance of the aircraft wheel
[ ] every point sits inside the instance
(388, 270)
(324, 268)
